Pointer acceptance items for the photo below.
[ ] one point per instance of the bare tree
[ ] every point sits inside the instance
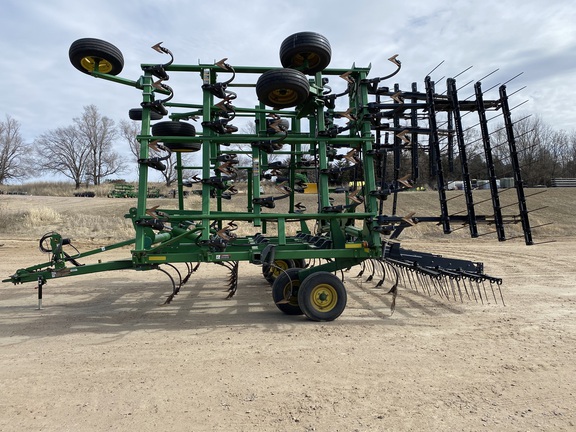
(244, 157)
(559, 149)
(63, 151)
(128, 132)
(570, 168)
(533, 138)
(99, 132)
(13, 163)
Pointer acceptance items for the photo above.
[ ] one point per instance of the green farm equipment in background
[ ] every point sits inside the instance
(123, 190)
(319, 132)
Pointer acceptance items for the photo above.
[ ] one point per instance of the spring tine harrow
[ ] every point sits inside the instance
(230, 265)
(232, 279)
(446, 278)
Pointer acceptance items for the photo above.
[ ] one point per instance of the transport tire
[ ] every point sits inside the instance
(322, 296)
(308, 52)
(177, 129)
(88, 55)
(285, 292)
(282, 88)
(136, 114)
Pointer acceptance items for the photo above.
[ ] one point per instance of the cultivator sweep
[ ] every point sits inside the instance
(362, 145)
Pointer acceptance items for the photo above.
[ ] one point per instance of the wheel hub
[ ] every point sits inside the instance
(284, 95)
(309, 60)
(324, 297)
(93, 63)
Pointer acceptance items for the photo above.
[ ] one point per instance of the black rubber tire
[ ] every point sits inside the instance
(136, 114)
(177, 129)
(322, 296)
(300, 263)
(308, 52)
(86, 53)
(287, 282)
(270, 273)
(282, 88)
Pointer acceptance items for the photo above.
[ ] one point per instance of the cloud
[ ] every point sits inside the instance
(43, 91)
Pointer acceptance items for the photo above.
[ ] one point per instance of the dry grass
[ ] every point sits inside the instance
(82, 223)
(66, 189)
(52, 189)
(40, 216)
(102, 219)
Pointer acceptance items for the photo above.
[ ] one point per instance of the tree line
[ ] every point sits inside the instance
(86, 152)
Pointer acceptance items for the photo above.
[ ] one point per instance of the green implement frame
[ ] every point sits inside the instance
(337, 140)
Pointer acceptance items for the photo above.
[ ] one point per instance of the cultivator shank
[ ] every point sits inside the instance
(361, 145)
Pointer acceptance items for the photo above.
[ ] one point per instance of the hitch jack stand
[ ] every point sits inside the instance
(41, 282)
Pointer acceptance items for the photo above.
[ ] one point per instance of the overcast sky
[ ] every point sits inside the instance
(42, 91)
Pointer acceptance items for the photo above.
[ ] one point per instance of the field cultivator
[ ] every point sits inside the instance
(360, 143)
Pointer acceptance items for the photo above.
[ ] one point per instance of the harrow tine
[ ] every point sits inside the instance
(452, 288)
(500, 290)
(439, 288)
(402, 272)
(394, 292)
(430, 282)
(406, 275)
(190, 270)
(406, 280)
(479, 291)
(423, 282)
(369, 279)
(513, 78)
(381, 281)
(471, 288)
(429, 285)
(233, 280)
(492, 288)
(174, 289)
(456, 282)
(362, 268)
(426, 283)
(413, 277)
(437, 283)
(460, 289)
(484, 288)
(437, 66)
(177, 272)
(447, 287)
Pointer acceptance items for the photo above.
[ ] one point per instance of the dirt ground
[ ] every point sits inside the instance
(105, 354)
